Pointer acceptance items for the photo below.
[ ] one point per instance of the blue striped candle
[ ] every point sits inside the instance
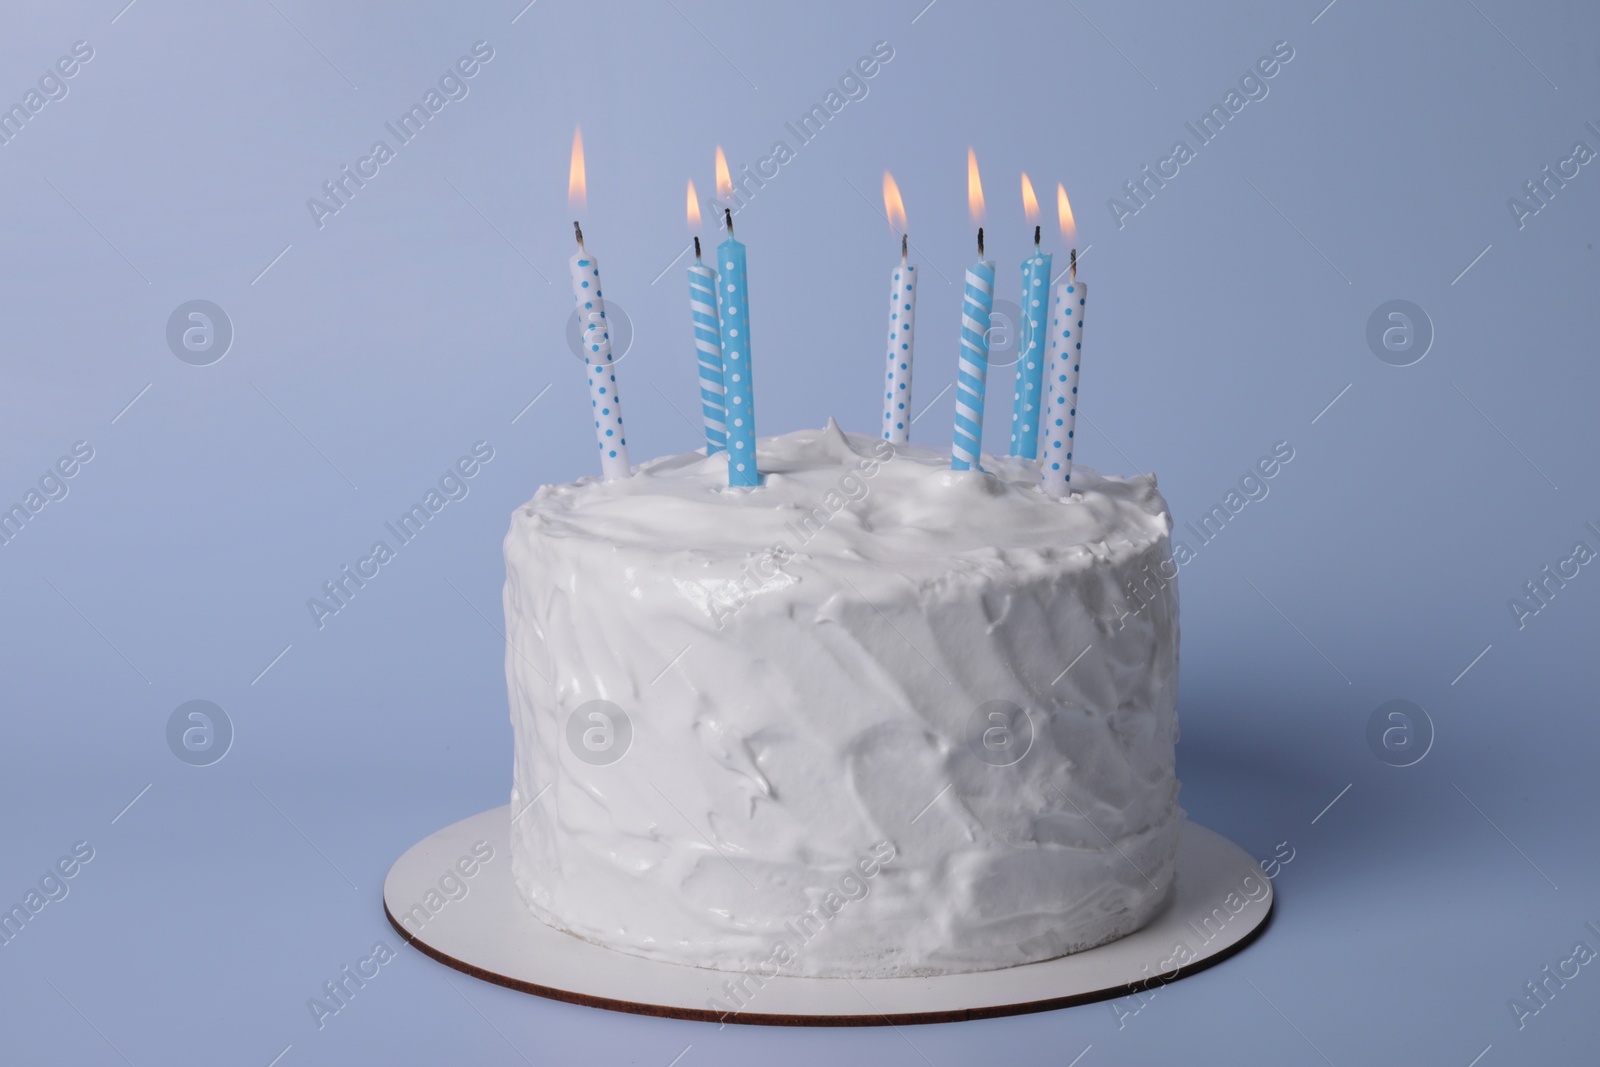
(1061, 405)
(708, 347)
(733, 291)
(603, 396)
(977, 304)
(1030, 353)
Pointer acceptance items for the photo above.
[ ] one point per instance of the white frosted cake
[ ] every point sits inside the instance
(874, 718)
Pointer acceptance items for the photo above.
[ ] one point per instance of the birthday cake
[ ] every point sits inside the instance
(875, 718)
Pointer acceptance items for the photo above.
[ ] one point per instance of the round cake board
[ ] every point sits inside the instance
(479, 925)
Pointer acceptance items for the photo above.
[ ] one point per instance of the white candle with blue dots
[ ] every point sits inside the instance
(1061, 402)
(603, 395)
(896, 425)
(902, 325)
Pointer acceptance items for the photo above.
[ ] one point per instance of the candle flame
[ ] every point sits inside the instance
(1030, 203)
(577, 187)
(974, 188)
(1069, 229)
(724, 180)
(893, 206)
(694, 209)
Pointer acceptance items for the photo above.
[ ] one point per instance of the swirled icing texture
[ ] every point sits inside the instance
(789, 711)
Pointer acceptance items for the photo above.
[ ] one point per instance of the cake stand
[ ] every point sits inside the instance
(1221, 903)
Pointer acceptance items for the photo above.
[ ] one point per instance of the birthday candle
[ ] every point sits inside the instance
(603, 396)
(707, 341)
(733, 291)
(972, 371)
(1066, 354)
(708, 345)
(902, 323)
(1026, 400)
(585, 271)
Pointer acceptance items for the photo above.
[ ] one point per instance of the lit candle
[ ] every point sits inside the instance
(972, 371)
(733, 293)
(1030, 339)
(707, 340)
(603, 397)
(1066, 353)
(902, 323)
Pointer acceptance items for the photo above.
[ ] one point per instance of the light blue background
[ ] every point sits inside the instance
(379, 348)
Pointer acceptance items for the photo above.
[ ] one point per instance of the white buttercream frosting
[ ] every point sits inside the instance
(875, 717)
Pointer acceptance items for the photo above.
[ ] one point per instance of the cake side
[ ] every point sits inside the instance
(877, 717)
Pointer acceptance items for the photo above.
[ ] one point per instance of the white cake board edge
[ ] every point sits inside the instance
(1222, 902)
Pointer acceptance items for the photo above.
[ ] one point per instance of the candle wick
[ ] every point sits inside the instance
(904, 241)
(579, 231)
(697, 248)
(1073, 270)
(1036, 237)
(727, 217)
(980, 242)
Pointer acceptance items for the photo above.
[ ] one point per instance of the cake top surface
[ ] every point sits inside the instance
(853, 498)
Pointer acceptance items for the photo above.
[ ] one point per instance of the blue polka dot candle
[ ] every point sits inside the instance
(902, 323)
(603, 397)
(1061, 380)
(733, 290)
(707, 341)
(1028, 396)
(972, 371)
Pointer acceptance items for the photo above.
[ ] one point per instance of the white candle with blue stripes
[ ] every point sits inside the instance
(902, 326)
(1028, 396)
(603, 396)
(1066, 356)
(733, 297)
(972, 371)
(707, 341)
